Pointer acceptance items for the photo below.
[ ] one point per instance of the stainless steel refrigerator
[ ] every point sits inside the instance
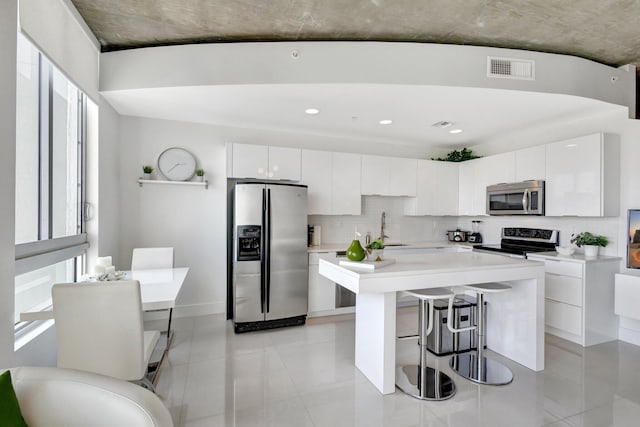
(270, 263)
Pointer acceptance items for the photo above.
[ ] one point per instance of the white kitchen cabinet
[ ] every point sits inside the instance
(345, 184)
(437, 189)
(579, 297)
(263, 162)
(317, 174)
(388, 176)
(583, 176)
(466, 187)
(322, 291)
(530, 163)
(334, 182)
(490, 170)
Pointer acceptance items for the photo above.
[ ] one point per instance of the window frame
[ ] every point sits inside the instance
(49, 250)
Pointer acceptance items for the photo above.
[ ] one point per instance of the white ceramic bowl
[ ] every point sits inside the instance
(565, 250)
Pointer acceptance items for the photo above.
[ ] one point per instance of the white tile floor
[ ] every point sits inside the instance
(305, 376)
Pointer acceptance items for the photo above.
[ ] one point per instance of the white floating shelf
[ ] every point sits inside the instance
(204, 183)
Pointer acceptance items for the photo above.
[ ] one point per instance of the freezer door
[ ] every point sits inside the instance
(287, 291)
(248, 292)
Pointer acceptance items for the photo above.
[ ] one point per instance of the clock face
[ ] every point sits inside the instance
(177, 164)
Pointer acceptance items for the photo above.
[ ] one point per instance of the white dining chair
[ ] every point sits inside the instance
(151, 258)
(99, 329)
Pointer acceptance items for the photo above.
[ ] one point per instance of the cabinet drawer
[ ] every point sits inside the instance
(563, 289)
(564, 268)
(563, 316)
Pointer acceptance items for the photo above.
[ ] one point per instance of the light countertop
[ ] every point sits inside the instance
(580, 258)
(427, 270)
(334, 247)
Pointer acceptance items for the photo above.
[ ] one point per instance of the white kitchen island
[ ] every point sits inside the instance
(515, 319)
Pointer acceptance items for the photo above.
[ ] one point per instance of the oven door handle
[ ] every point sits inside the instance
(525, 200)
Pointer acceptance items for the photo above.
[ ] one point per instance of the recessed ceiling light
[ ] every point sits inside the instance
(572, 145)
(385, 122)
(312, 111)
(455, 131)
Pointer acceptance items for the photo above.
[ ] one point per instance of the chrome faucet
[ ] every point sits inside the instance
(383, 224)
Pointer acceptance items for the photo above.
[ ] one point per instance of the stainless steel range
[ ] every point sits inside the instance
(517, 241)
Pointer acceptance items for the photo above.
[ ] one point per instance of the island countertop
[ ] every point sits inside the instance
(515, 319)
(427, 270)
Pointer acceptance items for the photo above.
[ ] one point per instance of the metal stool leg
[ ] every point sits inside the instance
(421, 381)
(475, 366)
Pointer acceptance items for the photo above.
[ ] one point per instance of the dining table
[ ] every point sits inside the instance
(159, 290)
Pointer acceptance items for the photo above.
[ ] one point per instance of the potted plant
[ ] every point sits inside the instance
(590, 242)
(146, 171)
(375, 250)
(200, 174)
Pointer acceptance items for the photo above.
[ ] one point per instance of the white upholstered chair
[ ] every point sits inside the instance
(99, 329)
(53, 397)
(151, 258)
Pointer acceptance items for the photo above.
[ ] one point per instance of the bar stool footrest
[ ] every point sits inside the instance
(430, 384)
(481, 369)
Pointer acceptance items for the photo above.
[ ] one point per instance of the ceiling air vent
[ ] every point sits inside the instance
(508, 68)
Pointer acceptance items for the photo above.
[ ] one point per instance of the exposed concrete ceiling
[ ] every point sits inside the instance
(605, 31)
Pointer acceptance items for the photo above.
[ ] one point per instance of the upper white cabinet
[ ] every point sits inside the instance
(317, 174)
(388, 176)
(346, 184)
(531, 163)
(263, 162)
(474, 177)
(437, 189)
(583, 176)
(334, 182)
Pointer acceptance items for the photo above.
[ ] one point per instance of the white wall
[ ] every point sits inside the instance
(109, 184)
(8, 31)
(191, 219)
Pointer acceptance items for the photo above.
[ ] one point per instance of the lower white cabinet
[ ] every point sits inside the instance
(322, 291)
(579, 298)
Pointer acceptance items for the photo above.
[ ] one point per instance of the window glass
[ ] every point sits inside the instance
(34, 288)
(27, 145)
(50, 242)
(64, 157)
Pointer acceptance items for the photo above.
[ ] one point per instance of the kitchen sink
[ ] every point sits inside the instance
(394, 244)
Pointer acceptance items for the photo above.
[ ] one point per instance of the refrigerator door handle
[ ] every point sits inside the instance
(263, 255)
(268, 251)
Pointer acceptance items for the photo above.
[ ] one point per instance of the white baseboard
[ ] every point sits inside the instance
(629, 336)
(192, 310)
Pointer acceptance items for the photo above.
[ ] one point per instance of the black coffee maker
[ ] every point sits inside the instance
(475, 236)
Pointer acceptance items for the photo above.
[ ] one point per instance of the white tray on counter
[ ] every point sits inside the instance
(367, 265)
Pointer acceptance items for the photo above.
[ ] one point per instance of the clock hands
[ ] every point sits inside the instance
(174, 166)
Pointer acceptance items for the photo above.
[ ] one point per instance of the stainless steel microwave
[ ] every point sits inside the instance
(518, 198)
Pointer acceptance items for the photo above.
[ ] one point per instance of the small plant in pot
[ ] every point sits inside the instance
(590, 242)
(146, 171)
(375, 250)
(200, 174)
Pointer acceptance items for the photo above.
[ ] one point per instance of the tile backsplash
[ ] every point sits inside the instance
(408, 229)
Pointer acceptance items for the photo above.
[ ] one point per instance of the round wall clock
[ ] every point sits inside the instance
(177, 164)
